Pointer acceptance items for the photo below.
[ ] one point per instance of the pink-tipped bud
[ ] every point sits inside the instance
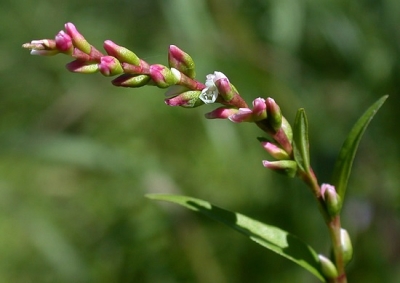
(258, 113)
(274, 114)
(82, 67)
(275, 151)
(221, 113)
(188, 99)
(259, 109)
(162, 76)
(181, 61)
(64, 42)
(242, 115)
(43, 47)
(225, 89)
(127, 80)
(332, 199)
(110, 66)
(123, 54)
(78, 40)
(286, 167)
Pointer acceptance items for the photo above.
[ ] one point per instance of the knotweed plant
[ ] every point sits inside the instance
(286, 143)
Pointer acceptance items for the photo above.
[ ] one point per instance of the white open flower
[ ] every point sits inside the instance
(210, 93)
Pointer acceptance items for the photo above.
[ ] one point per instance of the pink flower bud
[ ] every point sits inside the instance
(274, 114)
(188, 99)
(110, 66)
(181, 61)
(123, 54)
(221, 113)
(225, 89)
(162, 76)
(275, 151)
(286, 167)
(83, 67)
(78, 40)
(63, 42)
(242, 115)
(332, 199)
(259, 109)
(127, 80)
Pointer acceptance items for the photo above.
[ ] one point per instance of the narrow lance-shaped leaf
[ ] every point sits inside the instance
(300, 141)
(342, 169)
(270, 237)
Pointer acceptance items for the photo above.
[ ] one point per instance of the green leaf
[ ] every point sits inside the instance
(300, 141)
(344, 162)
(270, 237)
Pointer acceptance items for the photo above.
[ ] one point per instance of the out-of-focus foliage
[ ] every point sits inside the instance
(77, 154)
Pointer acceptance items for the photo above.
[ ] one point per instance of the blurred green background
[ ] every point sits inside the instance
(77, 155)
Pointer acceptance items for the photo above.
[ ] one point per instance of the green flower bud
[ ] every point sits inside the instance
(286, 167)
(328, 269)
(347, 247)
(127, 80)
(332, 199)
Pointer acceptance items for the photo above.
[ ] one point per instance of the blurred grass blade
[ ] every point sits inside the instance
(300, 141)
(342, 169)
(270, 237)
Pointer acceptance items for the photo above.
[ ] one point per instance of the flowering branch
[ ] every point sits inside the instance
(288, 147)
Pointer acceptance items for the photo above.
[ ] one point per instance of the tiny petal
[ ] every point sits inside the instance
(209, 94)
(177, 74)
(218, 76)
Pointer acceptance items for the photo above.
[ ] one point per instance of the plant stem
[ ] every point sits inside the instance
(333, 224)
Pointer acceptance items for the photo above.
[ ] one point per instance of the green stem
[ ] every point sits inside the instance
(333, 224)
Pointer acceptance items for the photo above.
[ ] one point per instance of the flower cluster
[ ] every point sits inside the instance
(182, 87)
